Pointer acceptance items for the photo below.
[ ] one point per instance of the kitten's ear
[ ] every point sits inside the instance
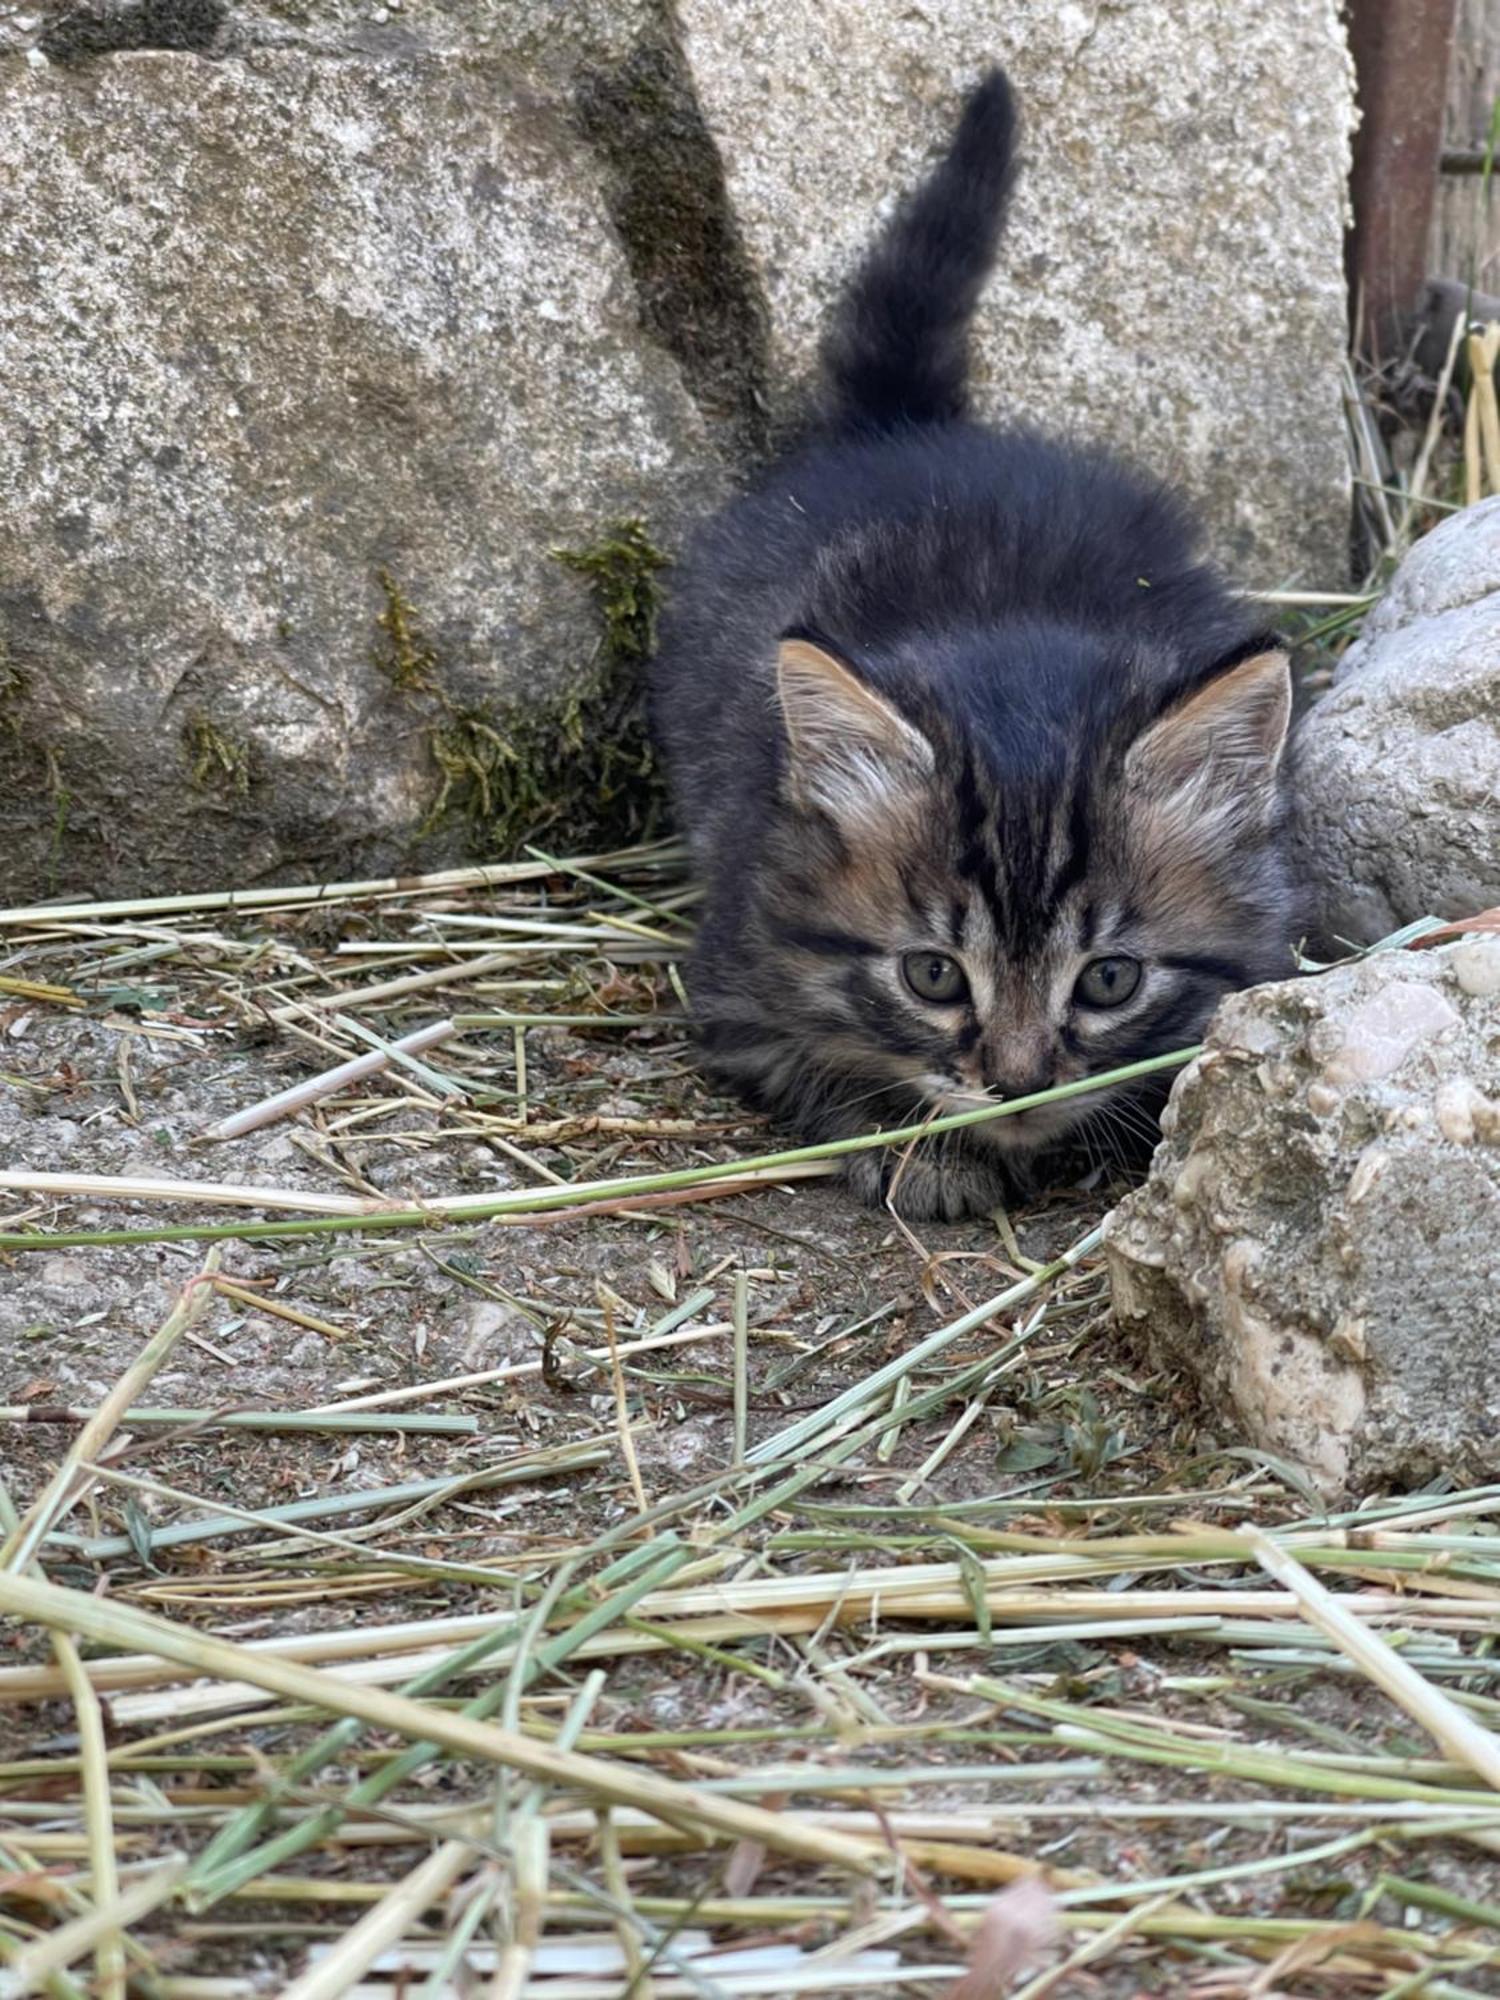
(1223, 744)
(849, 751)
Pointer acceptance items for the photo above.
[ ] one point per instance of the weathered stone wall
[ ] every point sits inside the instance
(300, 294)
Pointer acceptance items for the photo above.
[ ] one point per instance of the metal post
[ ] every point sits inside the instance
(1401, 51)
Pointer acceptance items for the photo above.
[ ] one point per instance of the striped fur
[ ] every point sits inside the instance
(938, 689)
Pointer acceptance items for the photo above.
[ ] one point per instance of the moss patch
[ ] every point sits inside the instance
(405, 656)
(13, 685)
(23, 756)
(580, 771)
(218, 763)
(623, 570)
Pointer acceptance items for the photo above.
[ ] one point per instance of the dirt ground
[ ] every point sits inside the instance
(125, 1078)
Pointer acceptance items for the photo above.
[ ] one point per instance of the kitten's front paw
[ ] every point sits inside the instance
(948, 1188)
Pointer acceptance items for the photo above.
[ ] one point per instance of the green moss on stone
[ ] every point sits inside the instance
(623, 569)
(13, 687)
(216, 761)
(405, 656)
(580, 770)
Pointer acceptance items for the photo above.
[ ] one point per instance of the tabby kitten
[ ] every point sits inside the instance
(979, 766)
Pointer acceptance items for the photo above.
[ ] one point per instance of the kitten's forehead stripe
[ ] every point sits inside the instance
(916, 902)
(976, 863)
(826, 943)
(1073, 866)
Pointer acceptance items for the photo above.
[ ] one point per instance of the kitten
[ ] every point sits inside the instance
(978, 765)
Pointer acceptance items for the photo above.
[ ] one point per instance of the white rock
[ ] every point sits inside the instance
(1330, 1275)
(1476, 966)
(1398, 767)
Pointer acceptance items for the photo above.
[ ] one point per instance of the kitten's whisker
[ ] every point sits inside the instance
(1133, 1116)
(1100, 1124)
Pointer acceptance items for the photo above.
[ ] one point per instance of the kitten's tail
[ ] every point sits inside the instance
(898, 351)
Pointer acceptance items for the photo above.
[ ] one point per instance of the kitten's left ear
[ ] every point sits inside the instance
(1224, 742)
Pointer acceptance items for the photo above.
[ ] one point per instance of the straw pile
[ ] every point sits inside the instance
(483, 1521)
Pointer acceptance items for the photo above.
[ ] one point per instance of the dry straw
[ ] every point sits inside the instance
(942, 1587)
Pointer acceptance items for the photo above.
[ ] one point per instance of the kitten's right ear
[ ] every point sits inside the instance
(849, 751)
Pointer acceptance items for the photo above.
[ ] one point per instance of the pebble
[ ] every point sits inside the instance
(1476, 967)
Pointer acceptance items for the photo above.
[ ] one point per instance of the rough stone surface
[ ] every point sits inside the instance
(299, 292)
(275, 325)
(1398, 767)
(1318, 1244)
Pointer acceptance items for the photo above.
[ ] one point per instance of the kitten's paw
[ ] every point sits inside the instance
(949, 1188)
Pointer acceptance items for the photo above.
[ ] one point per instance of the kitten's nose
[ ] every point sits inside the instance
(1015, 1072)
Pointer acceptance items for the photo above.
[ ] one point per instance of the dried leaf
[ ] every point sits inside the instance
(1486, 920)
(748, 1857)
(1019, 1923)
(138, 1528)
(742, 1869)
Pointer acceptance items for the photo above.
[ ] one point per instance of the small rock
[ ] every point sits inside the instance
(495, 1334)
(1382, 1032)
(685, 1445)
(1325, 1261)
(1398, 767)
(1476, 966)
(68, 1275)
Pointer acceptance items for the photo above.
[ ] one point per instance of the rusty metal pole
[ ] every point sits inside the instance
(1401, 51)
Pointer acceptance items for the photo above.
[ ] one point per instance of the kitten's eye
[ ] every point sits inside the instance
(935, 978)
(1107, 982)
